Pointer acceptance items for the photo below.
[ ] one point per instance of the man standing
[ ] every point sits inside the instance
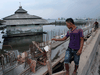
(96, 25)
(75, 45)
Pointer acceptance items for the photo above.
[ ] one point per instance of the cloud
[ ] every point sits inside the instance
(53, 8)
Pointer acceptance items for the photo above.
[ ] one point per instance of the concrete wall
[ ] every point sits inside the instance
(89, 54)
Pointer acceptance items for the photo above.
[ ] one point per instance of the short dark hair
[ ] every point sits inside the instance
(70, 20)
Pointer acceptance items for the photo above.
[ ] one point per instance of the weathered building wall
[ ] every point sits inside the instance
(19, 29)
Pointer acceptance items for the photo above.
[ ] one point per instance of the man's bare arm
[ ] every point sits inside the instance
(64, 38)
(81, 46)
(82, 43)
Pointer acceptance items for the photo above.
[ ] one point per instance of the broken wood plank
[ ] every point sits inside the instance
(37, 46)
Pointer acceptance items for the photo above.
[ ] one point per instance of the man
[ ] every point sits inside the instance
(75, 45)
(96, 24)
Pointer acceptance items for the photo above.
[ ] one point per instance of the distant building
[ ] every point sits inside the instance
(21, 17)
(21, 23)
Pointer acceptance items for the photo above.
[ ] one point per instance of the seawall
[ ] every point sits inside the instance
(89, 53)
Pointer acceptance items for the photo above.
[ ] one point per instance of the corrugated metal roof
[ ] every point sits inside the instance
(26, 22)
(21, 17)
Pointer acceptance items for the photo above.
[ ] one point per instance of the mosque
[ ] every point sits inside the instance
(23, 23)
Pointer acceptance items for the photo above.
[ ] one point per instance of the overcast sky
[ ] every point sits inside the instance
(53, 9)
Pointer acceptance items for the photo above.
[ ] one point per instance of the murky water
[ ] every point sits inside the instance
(22, 43)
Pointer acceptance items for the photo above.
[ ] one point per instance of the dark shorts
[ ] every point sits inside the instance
(96, 26)
(69, 54)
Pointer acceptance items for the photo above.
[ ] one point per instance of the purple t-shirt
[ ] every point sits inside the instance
(75, 38)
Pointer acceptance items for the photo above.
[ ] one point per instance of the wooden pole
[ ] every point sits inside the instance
(48, 36)
(44, 39)
(37, 46)
(49, 65)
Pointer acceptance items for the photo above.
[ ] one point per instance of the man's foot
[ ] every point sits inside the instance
(67, 73)
(75, 70)
(74, 73)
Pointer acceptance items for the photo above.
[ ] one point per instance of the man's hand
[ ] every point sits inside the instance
(54, 39)
(79, 52)
(64, 38)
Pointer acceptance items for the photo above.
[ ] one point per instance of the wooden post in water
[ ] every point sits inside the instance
(88, 30)
(41, 39)
(44, 39)
(48, 36)
(53, 34)
(59, 33)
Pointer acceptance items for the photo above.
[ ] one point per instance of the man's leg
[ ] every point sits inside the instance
(75, 69)
(76, 60)
(67, 69)
(67, 60)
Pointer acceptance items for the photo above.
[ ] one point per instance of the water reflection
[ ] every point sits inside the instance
(21, 43)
